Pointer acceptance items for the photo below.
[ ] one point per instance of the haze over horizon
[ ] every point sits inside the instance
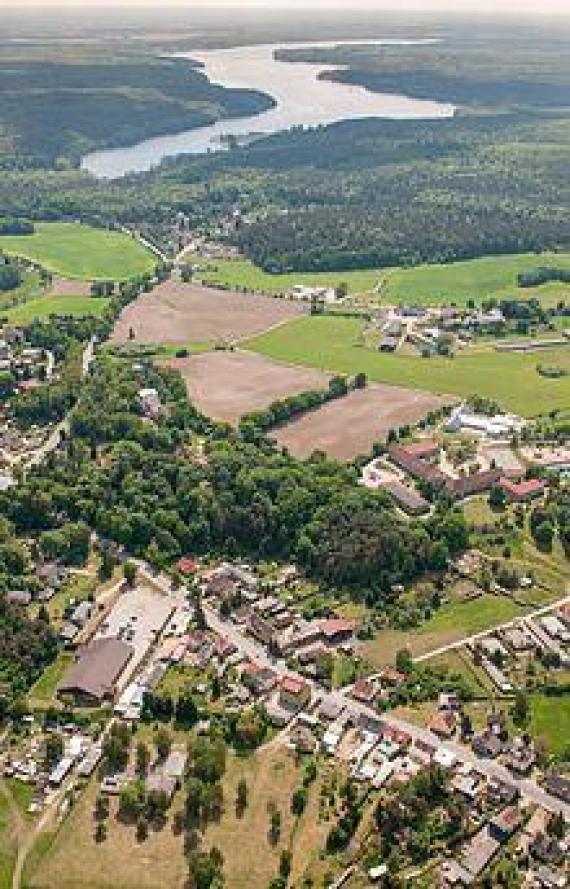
(503, 7)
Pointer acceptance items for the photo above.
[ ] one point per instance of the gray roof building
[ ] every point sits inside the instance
(94, 675)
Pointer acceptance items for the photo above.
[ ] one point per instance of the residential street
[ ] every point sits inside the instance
(529, 789)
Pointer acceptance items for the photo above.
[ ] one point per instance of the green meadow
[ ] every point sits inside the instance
(457, 282)
(335, 344)
(80, 251)
(45, 306)
(243, 273)
(477, 279)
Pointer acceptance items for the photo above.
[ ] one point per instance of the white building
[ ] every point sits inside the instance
(496, 426)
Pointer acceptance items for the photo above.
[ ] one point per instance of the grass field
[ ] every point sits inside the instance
(56, 305)
(478, 279)
(550, 719)
(80, 251)
(456, 661)
(458, 282)
(8, 840)
(333, 344)
(449, 623)
(243, 273)
(43, 691)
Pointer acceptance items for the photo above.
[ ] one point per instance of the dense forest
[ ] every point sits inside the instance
(55, 109)
(248, 498)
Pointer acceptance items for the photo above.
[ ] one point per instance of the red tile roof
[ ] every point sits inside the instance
(423, 449)
(293, 686)
(528, 488)
(186, 565)
(336, 625)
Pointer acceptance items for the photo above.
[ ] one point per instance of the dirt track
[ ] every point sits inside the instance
(178, 313)
(227, 385)
(69, 287)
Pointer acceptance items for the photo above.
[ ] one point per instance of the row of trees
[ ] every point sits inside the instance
(13, 225)
(286, 409)
(543, 275)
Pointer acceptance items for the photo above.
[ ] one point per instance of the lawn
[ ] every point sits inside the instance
(76, 588)
(334, 345)
(243, 273)
(80, 251)
(43, 691)
(45, 306)
(550, 719)
(478, 279)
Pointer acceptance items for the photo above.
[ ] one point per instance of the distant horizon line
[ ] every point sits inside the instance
(314, 5)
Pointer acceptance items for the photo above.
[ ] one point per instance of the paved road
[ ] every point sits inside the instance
(475, 637)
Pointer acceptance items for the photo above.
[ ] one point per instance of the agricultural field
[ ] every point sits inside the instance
(69, 287)
(80, 251)
(477, 279)
(243, 273)
(185, 313)
(336, 345)
(48, 305)
(349, 426)
(227, 385)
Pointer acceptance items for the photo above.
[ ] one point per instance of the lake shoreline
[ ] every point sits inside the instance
(302, 94)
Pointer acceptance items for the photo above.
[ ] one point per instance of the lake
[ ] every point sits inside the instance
(301, 99)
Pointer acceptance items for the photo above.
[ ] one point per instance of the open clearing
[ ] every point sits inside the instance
(243, 273)
(227, 385)
(189, 313)
(478, 279)
(334, 344)
(349, 426)
(80, 251)
(550, 720)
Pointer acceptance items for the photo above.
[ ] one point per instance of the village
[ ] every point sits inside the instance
(244, 636)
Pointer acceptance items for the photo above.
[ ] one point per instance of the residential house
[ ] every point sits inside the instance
(558, 785)
(364, 691)
(294, 693)
(520, 492)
